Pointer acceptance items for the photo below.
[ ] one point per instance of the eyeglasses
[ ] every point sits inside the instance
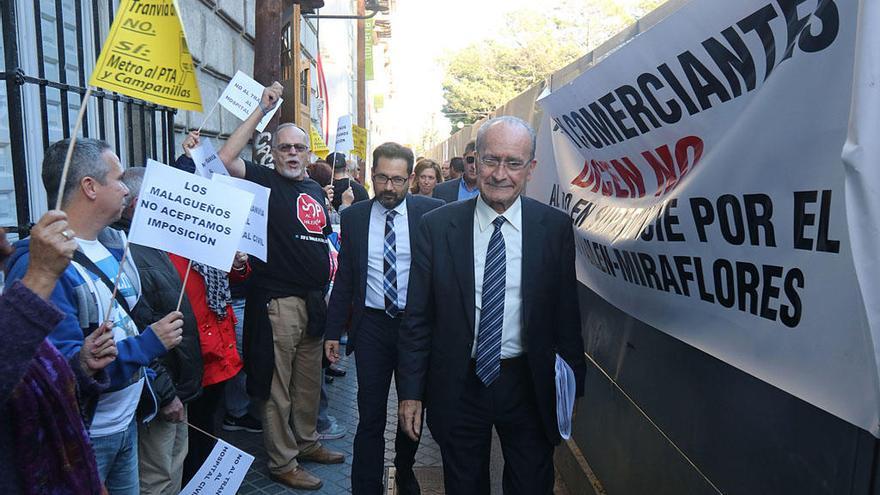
(286, 147)
(470, 159)
(382, 179)
(511, 164)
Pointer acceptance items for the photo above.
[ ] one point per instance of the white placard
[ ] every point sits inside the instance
(242, 98)
(344, 136)
(221, 473)
(253, 239)
(190, 216)
(206, 159)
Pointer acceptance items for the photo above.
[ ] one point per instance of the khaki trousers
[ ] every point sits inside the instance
(290, 415)
(162, 446)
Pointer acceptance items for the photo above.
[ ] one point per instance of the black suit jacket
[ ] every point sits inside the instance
(350, 285)
(448, 191)
(437, 336)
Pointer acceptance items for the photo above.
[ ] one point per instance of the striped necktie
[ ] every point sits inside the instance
(492, 311)
(390, 256)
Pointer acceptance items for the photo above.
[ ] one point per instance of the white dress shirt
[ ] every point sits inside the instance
(511, 332)
(375, 296)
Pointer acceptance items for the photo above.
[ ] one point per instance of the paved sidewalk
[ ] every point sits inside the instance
(343, 406)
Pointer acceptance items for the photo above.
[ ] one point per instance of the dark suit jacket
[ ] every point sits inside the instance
(350, 286)
(437, 334)
(448, 191)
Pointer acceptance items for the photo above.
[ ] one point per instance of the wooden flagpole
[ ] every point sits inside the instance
(183, 287)
(79, 119)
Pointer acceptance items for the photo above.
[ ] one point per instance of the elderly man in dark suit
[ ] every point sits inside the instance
(465, 187)
(372, 285)
(503, 266)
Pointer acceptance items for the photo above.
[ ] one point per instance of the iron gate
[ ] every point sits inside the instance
(34, 88)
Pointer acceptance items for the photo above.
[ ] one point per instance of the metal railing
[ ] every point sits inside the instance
(137, 129)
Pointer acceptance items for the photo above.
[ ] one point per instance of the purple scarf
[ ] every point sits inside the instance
(54, 452)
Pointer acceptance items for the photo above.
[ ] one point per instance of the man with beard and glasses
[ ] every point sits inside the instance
(465, 187)
(371, 285)
(285, 311)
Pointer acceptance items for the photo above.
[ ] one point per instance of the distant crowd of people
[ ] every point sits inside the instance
(448, 281)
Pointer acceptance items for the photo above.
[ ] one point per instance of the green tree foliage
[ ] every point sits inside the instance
(535, 43)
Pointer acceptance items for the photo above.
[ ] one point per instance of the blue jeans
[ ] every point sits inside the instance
(117, 457)
(236, 399)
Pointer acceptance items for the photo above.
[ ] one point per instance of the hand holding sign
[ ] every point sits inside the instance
(206, 160)
(240, 262)
(98, 349)
(271, 96)
(169, 329)
(348, 195)
(192, 140)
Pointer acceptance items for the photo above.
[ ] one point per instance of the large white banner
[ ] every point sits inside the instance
(701, 166)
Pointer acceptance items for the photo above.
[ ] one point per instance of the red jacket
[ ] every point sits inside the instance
(216, 336)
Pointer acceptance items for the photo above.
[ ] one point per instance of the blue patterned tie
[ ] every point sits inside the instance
(390, 255)
(492, 312)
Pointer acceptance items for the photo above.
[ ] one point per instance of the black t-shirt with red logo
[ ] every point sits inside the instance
(297, 252)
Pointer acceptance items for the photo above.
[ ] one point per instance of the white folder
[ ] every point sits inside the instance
(565, 391)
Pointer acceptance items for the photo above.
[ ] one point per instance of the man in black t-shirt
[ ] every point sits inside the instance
(342, 181)
(285, 311)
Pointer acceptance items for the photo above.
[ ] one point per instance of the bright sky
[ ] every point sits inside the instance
(422, 31)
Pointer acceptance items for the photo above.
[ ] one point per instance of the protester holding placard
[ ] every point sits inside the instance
(285, 308)
(40, 390)
(343, 181)
(235, 397)
(94, 197)
(162, 442)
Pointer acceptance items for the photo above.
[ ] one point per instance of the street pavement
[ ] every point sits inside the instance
(342, 395)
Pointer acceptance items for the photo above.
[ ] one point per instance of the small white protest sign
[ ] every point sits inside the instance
(344, 136)
(253, 239)
(206, 160)
(190, 216)
(242, 95)
(221, 473)
(242, 98)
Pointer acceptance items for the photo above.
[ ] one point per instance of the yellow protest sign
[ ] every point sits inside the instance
(319, 147)
(360, 141)
(146, 56)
